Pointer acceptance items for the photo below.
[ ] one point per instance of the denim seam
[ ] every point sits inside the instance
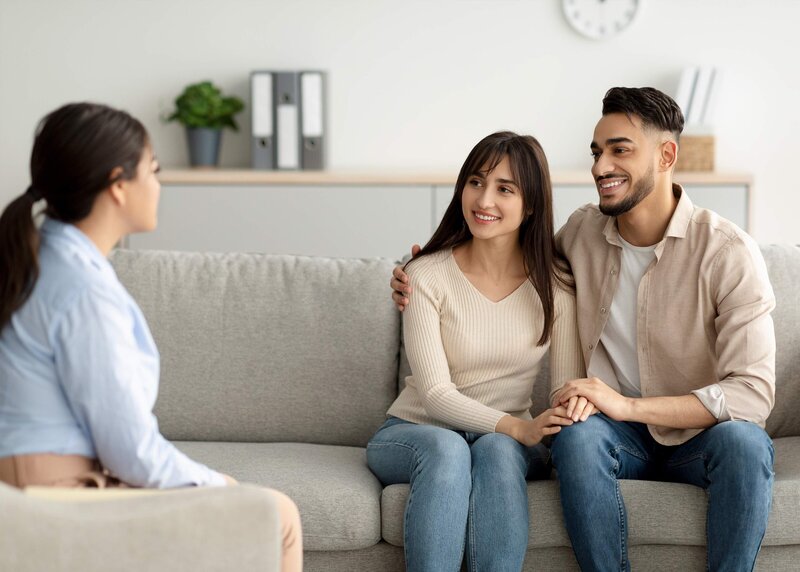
(620, 507)
(471, 532)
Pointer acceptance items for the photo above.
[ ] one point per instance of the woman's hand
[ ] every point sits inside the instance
(530, 433)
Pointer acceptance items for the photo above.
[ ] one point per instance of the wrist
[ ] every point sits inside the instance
(508, 425)
(631, 408)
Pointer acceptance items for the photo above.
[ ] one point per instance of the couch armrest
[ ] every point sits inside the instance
(235, 528)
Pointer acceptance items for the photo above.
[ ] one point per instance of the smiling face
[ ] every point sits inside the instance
(492, 202)
(625, 156)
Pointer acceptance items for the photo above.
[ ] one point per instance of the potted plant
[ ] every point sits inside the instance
(204, 111)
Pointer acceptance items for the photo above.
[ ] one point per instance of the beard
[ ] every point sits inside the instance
(640, 191)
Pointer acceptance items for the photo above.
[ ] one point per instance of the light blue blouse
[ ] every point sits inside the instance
(79, 371)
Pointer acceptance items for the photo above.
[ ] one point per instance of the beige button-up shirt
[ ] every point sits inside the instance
(703, 318)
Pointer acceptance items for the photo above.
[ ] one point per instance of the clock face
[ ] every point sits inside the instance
(598, 19)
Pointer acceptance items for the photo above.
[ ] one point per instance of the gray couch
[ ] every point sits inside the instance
(278, 369)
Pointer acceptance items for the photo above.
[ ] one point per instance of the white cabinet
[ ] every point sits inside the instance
(351, 214)
(310, 220)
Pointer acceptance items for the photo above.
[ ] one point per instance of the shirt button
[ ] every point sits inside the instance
(613, 272)
(602, 310)
(591, 347)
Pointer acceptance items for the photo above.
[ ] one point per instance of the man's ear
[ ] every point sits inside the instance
(117, 189)
(669, 155)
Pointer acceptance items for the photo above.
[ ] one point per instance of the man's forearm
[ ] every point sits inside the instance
(682, 412)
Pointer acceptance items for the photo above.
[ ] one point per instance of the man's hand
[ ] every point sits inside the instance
(400, 285)
(530, 433)
(601, 396)
(580, 408)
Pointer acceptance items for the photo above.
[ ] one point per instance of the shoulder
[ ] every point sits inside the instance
(429, 266)
(723, 238)
(585, 223)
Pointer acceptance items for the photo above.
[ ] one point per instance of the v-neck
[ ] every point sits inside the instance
(478, 290)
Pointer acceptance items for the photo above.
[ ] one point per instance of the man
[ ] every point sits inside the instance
(674, 310)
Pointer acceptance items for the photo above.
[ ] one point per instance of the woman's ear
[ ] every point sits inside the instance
(117, 188)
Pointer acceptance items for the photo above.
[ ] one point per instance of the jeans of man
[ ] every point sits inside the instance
(732, 461)
(467, 490)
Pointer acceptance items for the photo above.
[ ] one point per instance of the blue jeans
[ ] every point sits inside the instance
(731, 460)
(466, 489)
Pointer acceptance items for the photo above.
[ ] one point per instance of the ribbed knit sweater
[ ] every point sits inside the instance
(473, 360)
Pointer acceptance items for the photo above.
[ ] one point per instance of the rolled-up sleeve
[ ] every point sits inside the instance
(109, 374)
(745, 344)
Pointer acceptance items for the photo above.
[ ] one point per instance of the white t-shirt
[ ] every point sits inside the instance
(619, 335)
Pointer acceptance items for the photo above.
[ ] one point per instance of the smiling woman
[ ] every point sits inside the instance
(489, 302)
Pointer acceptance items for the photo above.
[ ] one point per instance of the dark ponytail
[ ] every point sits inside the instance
(75, 150)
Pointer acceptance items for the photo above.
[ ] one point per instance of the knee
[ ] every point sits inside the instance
(502, 455)
(444, 454)
(579, 442)
(741, 443)
(289, 515)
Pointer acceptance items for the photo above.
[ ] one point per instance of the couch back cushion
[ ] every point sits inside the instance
(266, 348)
(783, 265)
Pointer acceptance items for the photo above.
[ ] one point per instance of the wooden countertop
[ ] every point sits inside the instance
(214, 176)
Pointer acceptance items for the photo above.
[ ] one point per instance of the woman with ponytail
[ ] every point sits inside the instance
(78, 367)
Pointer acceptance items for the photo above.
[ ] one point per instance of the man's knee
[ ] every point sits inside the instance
(740, 442)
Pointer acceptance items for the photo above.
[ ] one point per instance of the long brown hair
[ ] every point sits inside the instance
(75, 149)
(529, 165)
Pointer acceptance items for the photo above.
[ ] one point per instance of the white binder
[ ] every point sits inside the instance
(263, 141)
(312, 115)
(287, 116)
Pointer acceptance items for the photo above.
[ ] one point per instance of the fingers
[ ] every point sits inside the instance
(399, 300)
(590, 409)
(580, 405)
(573, 401)
(415, 249)
(556, 420)
(552, 430)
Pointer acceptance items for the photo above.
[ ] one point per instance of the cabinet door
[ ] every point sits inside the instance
(316, 221)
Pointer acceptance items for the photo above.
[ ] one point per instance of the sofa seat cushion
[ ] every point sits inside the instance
(658, 512)
(338, 496)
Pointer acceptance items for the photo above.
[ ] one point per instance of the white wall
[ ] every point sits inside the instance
(413, 83)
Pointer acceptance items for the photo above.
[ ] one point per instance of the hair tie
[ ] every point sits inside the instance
(33, 193)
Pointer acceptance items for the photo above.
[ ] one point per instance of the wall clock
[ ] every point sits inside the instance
(599, 19)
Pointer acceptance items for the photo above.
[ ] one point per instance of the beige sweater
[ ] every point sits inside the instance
(473, 360)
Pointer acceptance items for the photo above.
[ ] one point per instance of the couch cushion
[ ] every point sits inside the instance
(264, 348)
(658, 513)
(783, 265)
(338, 497)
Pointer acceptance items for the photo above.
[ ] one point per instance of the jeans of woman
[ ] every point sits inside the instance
(468, 490)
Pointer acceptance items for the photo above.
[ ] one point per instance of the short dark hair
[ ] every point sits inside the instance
(655, 108)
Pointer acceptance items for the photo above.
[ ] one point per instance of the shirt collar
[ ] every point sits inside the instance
(69, 233)
(677, 227)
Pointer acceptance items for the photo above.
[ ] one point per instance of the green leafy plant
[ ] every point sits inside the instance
(203, 105)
